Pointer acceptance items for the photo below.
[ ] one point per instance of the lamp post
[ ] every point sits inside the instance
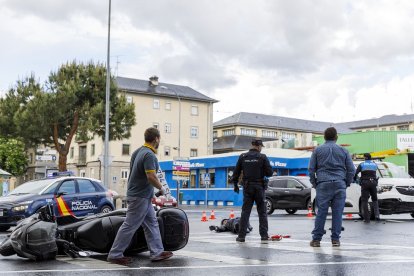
(179, 142)
(108, 83)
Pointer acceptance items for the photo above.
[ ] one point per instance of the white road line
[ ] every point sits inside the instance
(219, 258)
(344, 250)
(8, 272)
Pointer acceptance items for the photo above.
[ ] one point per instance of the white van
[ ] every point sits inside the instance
(395, 192)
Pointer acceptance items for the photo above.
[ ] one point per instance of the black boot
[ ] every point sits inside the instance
(376, 210)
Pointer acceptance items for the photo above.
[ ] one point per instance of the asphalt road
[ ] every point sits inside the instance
(385, 248)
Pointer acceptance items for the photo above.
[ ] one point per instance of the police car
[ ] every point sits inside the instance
(395, 192)
(70, 195)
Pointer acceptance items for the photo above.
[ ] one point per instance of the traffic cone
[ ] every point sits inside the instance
(212, 216)
(231, 214)
(310, 214)
(204, 216)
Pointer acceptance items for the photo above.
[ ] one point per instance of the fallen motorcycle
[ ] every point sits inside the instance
(42, 236)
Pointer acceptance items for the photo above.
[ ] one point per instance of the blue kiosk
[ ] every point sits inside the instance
(209, 181)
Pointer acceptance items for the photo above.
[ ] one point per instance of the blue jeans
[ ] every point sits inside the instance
(329, 194)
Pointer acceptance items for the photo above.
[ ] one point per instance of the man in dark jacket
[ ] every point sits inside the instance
(255, 167)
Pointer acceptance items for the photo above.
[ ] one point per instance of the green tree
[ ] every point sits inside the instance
(12, 156)
(72, 104)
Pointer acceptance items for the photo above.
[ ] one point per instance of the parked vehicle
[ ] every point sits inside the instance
(291, 193)
(42, 237)
(70, 195)
(395, 192)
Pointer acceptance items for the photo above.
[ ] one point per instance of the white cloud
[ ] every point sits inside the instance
(324, 60)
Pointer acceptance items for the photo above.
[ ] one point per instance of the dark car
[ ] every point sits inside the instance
(291, 193)
(78, 196)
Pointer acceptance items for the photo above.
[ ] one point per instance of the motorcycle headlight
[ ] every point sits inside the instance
(384, 188)
(22, 206)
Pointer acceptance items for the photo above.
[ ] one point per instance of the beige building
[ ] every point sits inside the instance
(182, 114)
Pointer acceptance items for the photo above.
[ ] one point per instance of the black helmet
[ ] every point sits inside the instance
(35, 239)
(367, 156)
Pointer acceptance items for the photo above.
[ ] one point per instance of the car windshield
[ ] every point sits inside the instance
(32, 187)
(390, 170)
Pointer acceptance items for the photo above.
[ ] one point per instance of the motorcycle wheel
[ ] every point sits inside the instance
(6, 248)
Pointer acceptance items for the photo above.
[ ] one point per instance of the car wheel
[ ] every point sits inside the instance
(106, 209)
(412, 215)
(269, 206)
(4, 228)
(291, 211)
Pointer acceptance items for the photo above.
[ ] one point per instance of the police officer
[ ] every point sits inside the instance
(369, 182)
(255, 166)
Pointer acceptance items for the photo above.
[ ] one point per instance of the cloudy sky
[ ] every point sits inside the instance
(311, 59)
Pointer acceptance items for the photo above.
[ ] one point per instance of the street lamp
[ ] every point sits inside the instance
(108, 80)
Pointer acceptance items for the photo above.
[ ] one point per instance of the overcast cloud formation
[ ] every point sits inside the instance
(320, 60)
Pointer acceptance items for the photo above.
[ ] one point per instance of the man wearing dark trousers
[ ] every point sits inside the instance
(369, 182)
(255, 166)
(331, 171)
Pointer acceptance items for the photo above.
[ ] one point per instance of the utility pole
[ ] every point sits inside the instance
(108, 84)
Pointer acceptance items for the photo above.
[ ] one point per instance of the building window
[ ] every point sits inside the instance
(92, 149)
(215, 134)
(167, 151)
(392, 128)
(125, 149)
(72, 152)
(194, 110)
(156, 104)
(403, 127)
(193, 152)
(129, 99)
(201, 175)
(124, 173)
(212, 173)
(193, 175)
(384, 128)
(167, 128)
(288, 135)
(269, 133)
(167, 106)
(92, 172)
(31, 158)
(248, 132)
(194, 132)
(228, 132)
(155, 125)
(230, 171)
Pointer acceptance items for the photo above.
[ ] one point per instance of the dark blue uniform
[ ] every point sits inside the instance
(368, 182)
(255, 167)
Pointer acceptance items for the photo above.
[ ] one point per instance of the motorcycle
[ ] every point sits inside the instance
(42, 236)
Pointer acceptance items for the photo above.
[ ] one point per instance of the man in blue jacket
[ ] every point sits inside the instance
(331, 171)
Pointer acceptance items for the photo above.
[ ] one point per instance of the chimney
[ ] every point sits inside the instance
(153, 80)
